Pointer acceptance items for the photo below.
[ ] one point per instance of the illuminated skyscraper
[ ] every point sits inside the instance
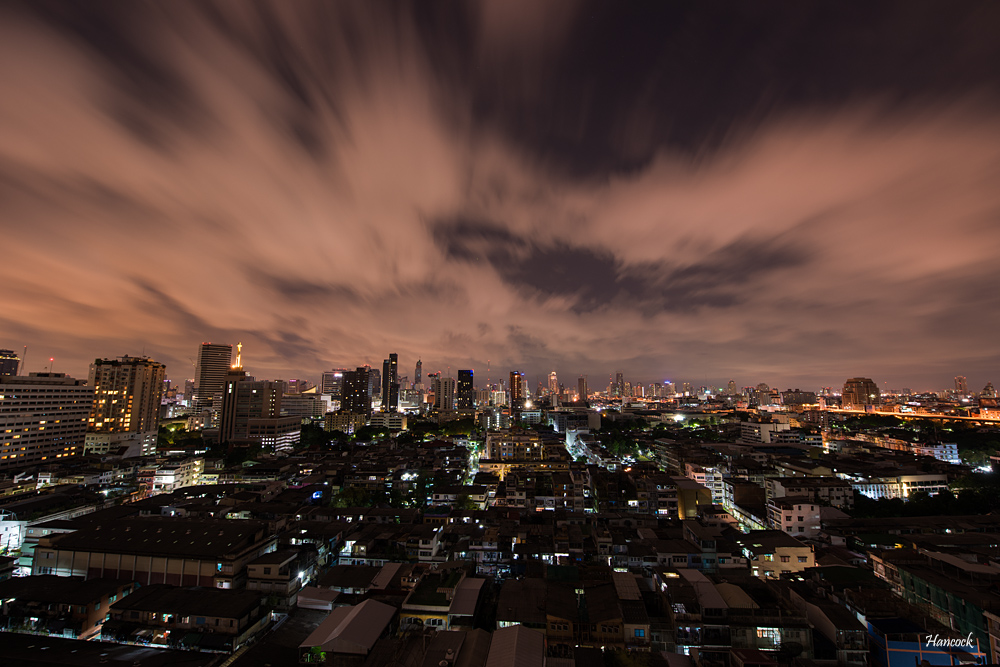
(127, 394)
(210, 378)
(518, 391)
(466, 395)
(355, 396)
(417, 374)
(731, 388)
(619, 388)
(961, 385)
(390, 384)
(860, 392)
(553, 383)
(989, 391)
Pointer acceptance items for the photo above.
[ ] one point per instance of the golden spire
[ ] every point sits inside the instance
(239, 353)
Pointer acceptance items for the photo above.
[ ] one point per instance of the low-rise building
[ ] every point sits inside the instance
(64, 606)
(206, 619)
(772, 553)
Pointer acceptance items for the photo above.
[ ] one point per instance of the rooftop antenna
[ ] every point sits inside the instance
(24, 355)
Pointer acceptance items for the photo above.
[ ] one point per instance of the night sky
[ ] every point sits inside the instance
(790, 193)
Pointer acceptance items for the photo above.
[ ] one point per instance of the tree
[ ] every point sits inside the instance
(422, 428)
(465, 426)
(313, 435)
(371, 433)
(352, 497)
(464, 502)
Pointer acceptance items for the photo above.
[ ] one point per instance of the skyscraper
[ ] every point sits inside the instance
(355, 397)
(518, 391)
(859, 392)
(9, 362)
(332, 381)
(390, 384)
(619, 384)
(466, 391)
(417, 377)
(210, 378)
(553, 383)
(961, 385)
(444, 393)
(127, 394)
(581, 388)
(246, 398)
(43, 417)
(251, 412)
(731, 388)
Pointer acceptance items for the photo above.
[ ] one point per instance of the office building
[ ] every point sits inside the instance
(581, 388)
(246, 398)
(127, 395)
(466, 397)
(9, 362)
(374, 382)
(417, 373)
(43, 417)
(518, 390)
(553, 383)
(390, 384)
(444, 393)
(210, 378)
(332, 382)
(355, 397)
(859, 393)
(961, 385)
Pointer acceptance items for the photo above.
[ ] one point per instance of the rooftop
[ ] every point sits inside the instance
(190, 601)
(193, 538)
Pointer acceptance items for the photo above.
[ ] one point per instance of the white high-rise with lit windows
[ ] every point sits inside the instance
(43, 417)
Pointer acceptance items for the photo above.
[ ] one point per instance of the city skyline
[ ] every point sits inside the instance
(572, 380)
(790, 196)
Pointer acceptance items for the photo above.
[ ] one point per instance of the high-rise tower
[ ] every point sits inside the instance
(581, 388)
(466, 391)
(332, 381)
(43, 418)
(127, 393)
(444, 393)
(417, 374)
(553, 383)
(518, 392)
(355, 397)
(210, 378)
(390, 384)
(961, 385)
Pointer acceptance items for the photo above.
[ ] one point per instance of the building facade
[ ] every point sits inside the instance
(127, 395)
(43, 417)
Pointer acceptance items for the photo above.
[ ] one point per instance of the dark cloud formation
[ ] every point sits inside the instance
(773, 192)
